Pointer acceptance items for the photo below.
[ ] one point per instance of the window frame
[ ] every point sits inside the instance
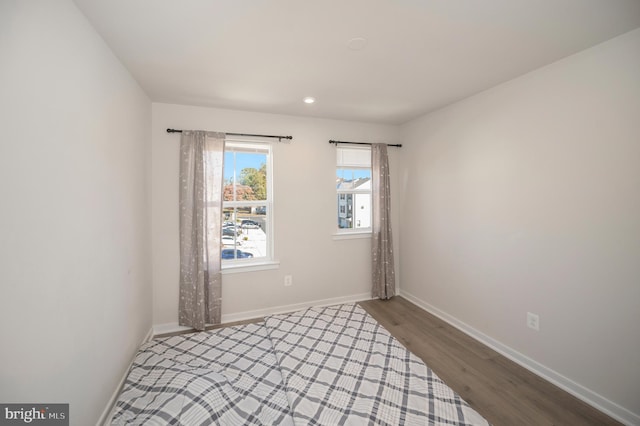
(254, 263)
(345, 233)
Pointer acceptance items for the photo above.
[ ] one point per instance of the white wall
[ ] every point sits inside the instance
(304, 206)
(75, 291)
(526, 197)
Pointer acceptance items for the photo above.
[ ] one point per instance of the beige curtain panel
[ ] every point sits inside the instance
(384, 281)
(201, 180)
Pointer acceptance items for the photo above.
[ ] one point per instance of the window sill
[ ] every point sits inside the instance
(351, 235)
(250, 267)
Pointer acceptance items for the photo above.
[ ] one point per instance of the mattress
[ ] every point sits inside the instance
(320, 366)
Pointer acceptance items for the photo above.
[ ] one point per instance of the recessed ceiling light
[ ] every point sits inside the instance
(357, 43)
(309, 100)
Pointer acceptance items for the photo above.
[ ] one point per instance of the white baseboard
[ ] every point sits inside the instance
(241, 316)
(595, 400)
(170, 327)
(105, 418)
(274, 310)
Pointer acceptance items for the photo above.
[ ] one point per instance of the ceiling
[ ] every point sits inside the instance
(419, 55)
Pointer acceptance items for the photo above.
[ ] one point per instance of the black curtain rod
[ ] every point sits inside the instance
(242, 134)
(398, 145)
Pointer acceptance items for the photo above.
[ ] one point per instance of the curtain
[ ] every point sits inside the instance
(201, 169)
(384, 282)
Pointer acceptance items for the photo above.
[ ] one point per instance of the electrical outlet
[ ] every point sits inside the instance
(533, 321)
(288, 280)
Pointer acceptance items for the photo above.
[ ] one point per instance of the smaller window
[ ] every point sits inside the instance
(353, 185)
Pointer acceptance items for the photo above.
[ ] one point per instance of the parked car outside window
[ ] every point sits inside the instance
(231, 232)
(249, 224)
(230, 241)
(239, 254)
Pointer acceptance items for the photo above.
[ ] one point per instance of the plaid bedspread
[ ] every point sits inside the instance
(320, 366)
(341, 367)
(222, 377)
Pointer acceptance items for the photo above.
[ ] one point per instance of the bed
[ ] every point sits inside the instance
(320, 366)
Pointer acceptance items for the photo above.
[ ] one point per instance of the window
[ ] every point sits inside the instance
(247, 204)
(353, 183)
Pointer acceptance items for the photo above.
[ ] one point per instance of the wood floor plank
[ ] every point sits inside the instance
(499, 389)
(459, 374)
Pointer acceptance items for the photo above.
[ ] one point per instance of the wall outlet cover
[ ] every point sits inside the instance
(288, 280)
(533, 321)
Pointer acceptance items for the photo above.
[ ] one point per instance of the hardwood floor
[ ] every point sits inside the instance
(502, 391)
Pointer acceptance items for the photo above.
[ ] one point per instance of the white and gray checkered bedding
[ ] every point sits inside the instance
(226, 377)
(341, 367)
(320, 366)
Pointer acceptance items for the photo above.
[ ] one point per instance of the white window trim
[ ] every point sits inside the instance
(353, 233)
(231, 266)
(234, 267)
(352, 191)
